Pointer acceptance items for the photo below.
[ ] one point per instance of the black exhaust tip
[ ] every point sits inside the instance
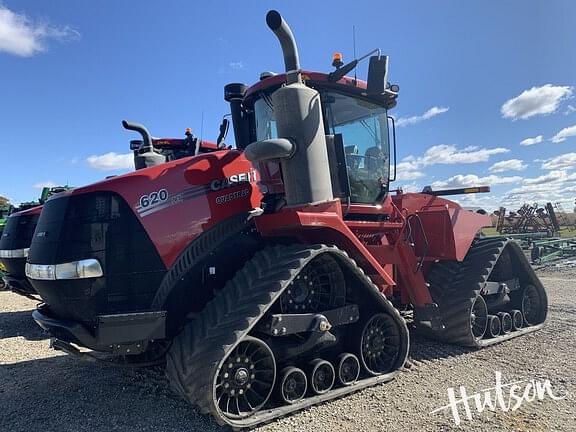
(273, 19)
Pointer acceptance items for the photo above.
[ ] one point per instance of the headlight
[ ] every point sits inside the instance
(88, 268)
(14, 253)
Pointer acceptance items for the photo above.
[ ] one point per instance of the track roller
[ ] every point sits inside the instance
(494, 326)
(505, 322)
(517, 319)
(322, 376)
(292, 385)
(348, 369)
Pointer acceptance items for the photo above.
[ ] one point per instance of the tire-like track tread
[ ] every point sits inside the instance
(455, 285)
(196, 353)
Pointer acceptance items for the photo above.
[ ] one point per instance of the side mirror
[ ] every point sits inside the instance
(136, 144)
(224, 126)
(377, 75)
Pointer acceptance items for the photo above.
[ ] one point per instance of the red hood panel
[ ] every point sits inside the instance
(178, 200)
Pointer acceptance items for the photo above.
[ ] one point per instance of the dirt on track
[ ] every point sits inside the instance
(42, 389)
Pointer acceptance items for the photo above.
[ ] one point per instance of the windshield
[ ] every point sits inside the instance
(265, 122)
(364, 129)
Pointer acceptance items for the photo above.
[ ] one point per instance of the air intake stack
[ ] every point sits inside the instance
(301, 146)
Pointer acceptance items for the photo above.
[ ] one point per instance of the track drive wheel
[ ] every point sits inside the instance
(319, 287)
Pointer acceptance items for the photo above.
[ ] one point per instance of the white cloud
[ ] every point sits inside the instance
(22, 37)
(564, 161)
(569, 110)
(535, 101)
(556, 176)
(564, 134)
(470, 180)
(531, 141)
(111, 161)
(236, 65)
(432, 112)
(450, 154)
(42, 185)
(408, 171)
(507, 165)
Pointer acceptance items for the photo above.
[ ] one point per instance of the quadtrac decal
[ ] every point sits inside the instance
(161, 199)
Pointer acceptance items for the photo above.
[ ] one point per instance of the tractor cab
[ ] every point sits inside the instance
(361, 128)
(355, 122)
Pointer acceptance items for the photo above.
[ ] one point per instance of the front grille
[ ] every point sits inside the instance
(17, 234)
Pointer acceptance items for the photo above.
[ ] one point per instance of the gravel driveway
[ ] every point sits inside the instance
(41, 389)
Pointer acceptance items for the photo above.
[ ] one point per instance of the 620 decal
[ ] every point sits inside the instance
(153, 198)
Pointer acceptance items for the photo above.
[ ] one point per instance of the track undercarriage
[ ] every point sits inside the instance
(491, 296)
(298, 325)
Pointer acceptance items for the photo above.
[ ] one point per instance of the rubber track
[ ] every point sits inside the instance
(455, 285)
(197, 352)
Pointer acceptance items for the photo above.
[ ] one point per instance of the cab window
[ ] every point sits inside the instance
(364, 129)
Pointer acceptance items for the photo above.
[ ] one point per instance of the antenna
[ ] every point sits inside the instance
(202, 126)
(354, 46)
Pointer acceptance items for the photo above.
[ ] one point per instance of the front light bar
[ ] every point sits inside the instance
(84, 269)
(14, 253)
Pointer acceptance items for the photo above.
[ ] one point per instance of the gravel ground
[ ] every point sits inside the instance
(41, 389)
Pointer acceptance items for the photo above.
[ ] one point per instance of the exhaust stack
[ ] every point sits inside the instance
(145, 156)
(301, 146)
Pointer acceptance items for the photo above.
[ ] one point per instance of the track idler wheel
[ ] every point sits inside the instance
(479, 318)
(531, 305)
(517, 319)
(322, 376)
(245, 379)
(293, 385)
(494, 326)
(379, 344)
(505, 322)
(348, 369)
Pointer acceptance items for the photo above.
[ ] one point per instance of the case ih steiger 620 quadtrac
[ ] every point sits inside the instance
(271, 275)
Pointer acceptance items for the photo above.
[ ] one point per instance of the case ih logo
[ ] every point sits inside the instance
(233, 180)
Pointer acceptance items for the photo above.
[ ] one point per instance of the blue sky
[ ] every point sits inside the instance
(476, 79)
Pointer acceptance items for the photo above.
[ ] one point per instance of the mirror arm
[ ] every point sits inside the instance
(394, 144)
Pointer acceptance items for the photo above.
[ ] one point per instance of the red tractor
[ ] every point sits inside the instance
(17, 236)
(271, 276)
